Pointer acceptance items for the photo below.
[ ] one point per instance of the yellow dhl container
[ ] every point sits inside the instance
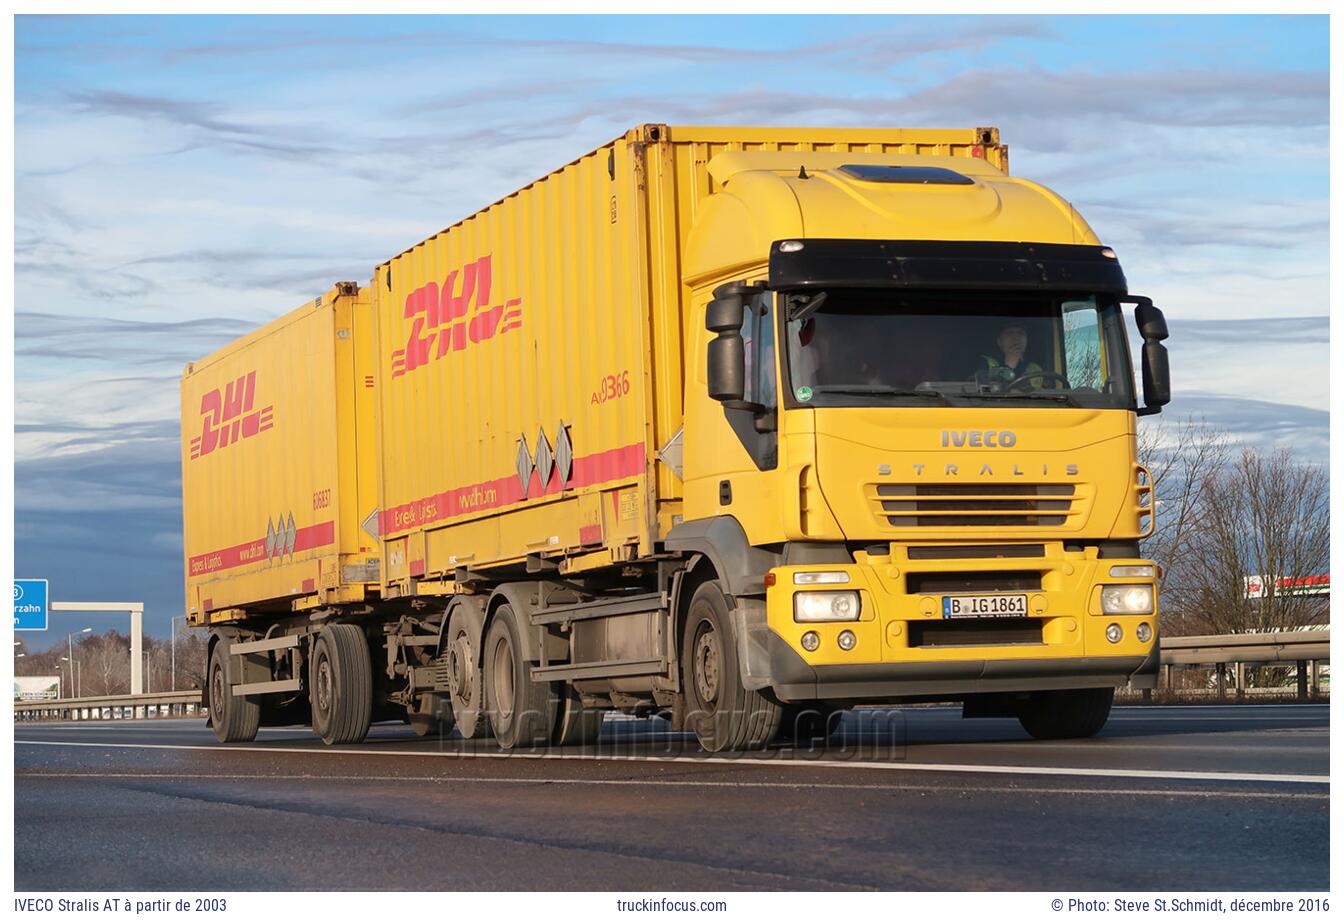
(277, 463)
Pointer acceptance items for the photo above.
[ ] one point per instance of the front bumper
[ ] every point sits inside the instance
(892, 658)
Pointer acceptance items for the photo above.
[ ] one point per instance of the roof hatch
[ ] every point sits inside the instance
(910, 175)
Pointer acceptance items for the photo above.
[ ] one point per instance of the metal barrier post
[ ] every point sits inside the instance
(1315, 679)
(1301, 680)
(1240, 674)
(1222, 680)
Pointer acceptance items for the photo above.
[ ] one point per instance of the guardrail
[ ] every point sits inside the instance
(139, 706)
(1305, 649)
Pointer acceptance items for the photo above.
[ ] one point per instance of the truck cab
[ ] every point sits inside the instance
(915, 397)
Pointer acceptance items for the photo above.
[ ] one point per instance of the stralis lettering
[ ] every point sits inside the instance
(227, 418)
(450, 316)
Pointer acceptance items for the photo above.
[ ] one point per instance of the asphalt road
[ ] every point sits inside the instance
(1166, 798)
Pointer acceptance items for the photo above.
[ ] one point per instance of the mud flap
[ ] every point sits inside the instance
(753, 650)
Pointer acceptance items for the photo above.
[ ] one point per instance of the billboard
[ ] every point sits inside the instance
(1258, 586)
(36, 688)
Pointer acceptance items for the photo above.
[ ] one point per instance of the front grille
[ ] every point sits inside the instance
(1000, 631)
(971, 582)
(983, 551)
(975, 504)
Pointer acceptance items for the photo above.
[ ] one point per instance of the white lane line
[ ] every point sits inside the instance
(1319, 779)
(1024, 790)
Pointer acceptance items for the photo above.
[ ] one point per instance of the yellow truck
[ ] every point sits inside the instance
(742, 426)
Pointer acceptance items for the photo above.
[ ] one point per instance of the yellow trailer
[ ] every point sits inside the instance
(743, 425)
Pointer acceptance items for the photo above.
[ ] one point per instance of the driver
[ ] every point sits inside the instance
(1010, 364)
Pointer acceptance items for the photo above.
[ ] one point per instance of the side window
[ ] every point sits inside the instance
(1082, 344)
(758, 335)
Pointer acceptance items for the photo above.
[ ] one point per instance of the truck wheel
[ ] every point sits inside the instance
(800, 723)
(234, 718)
(462, 649)
(1053, 714)
(434, 716)
(522, 711)
(340, 684)
(723, 714)
(576, 726)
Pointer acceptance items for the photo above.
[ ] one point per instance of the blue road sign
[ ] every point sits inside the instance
(30, 603)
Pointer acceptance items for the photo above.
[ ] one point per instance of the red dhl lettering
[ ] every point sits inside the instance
(450, 316)
(227, 417)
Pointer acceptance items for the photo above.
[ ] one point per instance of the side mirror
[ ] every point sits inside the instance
(1156, 371)
(727, 367)
(727, 356)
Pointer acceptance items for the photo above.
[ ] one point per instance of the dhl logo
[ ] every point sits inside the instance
(456, 314)
(227, 418)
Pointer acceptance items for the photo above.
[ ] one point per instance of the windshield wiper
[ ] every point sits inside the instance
(1037, 394)
(878, 389)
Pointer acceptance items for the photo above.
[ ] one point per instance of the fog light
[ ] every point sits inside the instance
(1144, 632)
(1114, 633)
(846, 640)
(1127, 599)
(811, 641)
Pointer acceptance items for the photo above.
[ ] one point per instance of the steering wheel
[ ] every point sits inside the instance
(1032, 375)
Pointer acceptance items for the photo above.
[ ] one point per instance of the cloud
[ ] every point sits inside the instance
(1259, 424)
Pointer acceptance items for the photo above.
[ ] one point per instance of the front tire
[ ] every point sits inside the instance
(723, 714)
(1056, 714)
(233, 718)
(340, 685)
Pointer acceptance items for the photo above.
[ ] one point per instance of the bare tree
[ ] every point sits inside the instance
(1260, 516)
(1184, 458)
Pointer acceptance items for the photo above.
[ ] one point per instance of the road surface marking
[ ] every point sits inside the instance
(1182, 793)
(817, 764)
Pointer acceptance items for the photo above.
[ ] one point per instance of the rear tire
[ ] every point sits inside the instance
(340, 684)
(1055, 714)
(522, 711)
(462, 649)
(576, 726)
(234, 718)
(433, 717)
(723, 714)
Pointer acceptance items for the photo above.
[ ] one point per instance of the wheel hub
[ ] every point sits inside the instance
(460, 670)
(706, 665)
(324, 685)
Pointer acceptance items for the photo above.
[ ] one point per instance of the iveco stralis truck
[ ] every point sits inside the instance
(742, 426)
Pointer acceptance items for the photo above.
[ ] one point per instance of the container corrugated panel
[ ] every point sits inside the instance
(530, 356)
(270, 471)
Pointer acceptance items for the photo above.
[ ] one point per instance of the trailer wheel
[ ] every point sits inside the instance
(434, 716)
(1054, 714)
(522, 711)
(800, 723)
(462, 650)
(340, 684)
(723, 714)
(577, 725)
(234, 718)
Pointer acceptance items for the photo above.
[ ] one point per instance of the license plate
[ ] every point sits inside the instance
(984, 605)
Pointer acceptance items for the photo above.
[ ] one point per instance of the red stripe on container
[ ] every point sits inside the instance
(594, 469)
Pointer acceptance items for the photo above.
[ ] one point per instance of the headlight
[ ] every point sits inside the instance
(821, 578)
(1131, 571)
(1127, 599)
(825, 606)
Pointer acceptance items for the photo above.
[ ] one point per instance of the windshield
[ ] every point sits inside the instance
(866, 347)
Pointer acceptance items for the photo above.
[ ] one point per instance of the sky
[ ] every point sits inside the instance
(181, 180)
